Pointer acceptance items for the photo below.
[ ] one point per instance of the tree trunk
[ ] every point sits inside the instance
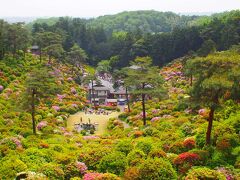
(93, 96)
(143, 106)
(127, 100)
(191, 79)
(209, 129)
(33, 111)
(40, 53)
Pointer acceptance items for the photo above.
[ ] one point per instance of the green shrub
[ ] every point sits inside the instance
(204, 173)
(157, 168)
(113, 163)
(92, 156)
(131, 173)
(124, 146)
(135, 157)
(52, 171)
(10, 167)
(145, 145)
(157, 153)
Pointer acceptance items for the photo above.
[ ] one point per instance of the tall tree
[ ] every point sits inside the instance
(214, 79)
(77, 55)
(47, 41)
(39, 84)
(146, 81)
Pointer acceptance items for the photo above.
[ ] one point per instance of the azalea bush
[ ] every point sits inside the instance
(204, 173)
(157, 168)
(114, 163)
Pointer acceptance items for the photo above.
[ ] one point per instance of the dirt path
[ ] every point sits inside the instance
(100, 119)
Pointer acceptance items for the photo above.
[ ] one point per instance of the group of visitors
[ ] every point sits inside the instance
(97, 112)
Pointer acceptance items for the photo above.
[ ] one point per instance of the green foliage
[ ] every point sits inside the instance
(145, 146)
(135, 157)
(10, 167)
(52, 171)
(204, 173)
(124, 146)
(157, 168)
(113, 163)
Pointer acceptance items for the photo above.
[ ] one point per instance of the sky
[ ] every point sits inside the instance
(94, 8)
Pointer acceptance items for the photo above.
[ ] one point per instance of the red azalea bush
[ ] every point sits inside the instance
(185, 161)
(189, 143)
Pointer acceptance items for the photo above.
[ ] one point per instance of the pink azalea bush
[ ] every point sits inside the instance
(74, 105)
(202, 112)
(41, 125)
(90, 137)
(81, 167)
(1, 87)
(155, 119)
(69, 79)
(61, 97)
(56, 108)
(91, 176)
(17, 142)
(73, 90)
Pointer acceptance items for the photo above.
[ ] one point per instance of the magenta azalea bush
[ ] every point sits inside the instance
(1, 87)
(81, 167)
(41, 125)
(56, 108)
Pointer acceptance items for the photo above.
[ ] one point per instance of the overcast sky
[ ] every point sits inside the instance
(93, 8)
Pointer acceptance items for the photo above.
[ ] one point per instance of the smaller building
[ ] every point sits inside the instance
(35, 50)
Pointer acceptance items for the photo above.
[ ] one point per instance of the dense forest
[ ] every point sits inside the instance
(180, 76)
(124, 44)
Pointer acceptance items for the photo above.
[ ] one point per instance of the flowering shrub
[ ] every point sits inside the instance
(41, 125)
(69, 79)
(185, 161)
(73, 90)
(81, 167)
(138, 134)
(229, 173)
(90, 137)
(155, 119)
(61, 97)
(91, 176)
(189, 143)
(56, 108)
(74, 105)
(1, 87)
(204, 173)
(186, 158)
(203, 112)
(75, 169)
(43, 145)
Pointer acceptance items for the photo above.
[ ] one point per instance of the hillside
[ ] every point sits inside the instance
(145, 21)
(172, 143)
